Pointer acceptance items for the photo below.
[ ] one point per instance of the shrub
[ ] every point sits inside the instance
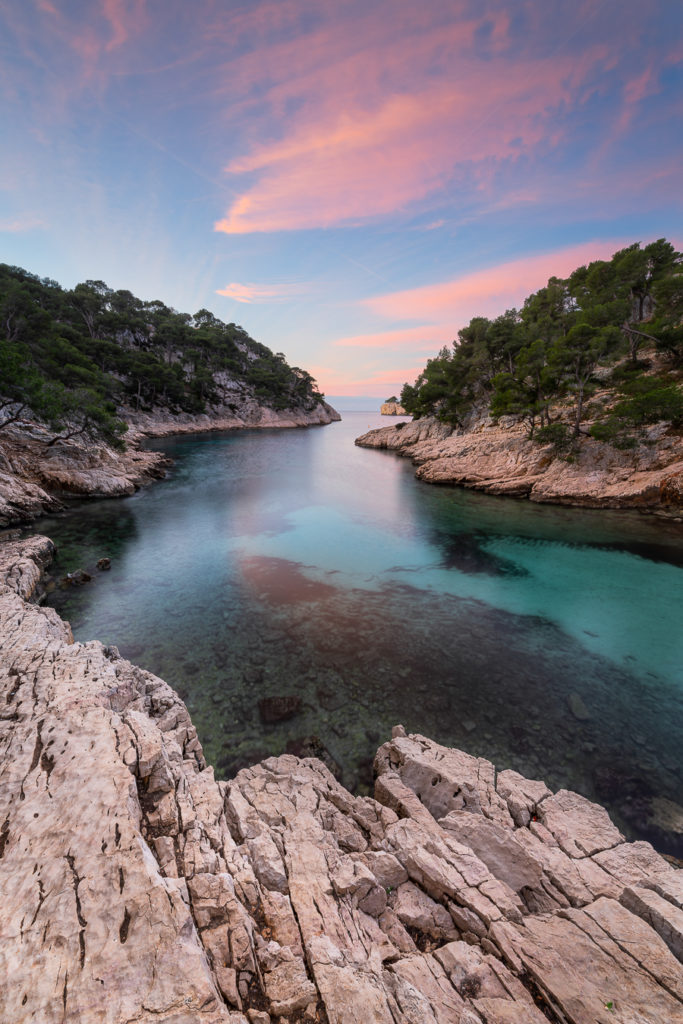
(556, 434)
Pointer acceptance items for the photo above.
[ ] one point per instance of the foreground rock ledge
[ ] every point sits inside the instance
(137, 888)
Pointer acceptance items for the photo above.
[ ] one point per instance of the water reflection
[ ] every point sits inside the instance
(292, 563)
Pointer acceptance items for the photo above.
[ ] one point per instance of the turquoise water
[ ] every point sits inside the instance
(279, 563)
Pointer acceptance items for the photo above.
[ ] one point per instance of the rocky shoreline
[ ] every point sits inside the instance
(36, 477)
(497, 457)
(137, 888)
(245, 413)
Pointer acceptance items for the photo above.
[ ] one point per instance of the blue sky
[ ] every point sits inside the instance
(351, 182)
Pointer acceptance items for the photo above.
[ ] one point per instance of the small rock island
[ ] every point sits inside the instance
(392, 407)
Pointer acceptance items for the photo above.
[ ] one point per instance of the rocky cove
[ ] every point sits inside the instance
(138, 888)
(35, 475)
(496, 456)
(293, 570)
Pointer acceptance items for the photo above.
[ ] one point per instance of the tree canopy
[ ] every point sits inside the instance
(527, 359)
(79, 358)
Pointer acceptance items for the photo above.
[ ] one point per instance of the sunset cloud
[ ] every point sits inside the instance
(16, 225)
(379, 114)
(71, 45)
(487, 292)
(418, 339)
(378, 381)
(354, 160)
(260, 292)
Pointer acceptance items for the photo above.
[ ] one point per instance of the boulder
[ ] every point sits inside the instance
(279, 709)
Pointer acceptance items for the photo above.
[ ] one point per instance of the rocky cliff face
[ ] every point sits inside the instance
(137, 888)
(34, 476)
(500, 459)
(238, 408)
(392, 409)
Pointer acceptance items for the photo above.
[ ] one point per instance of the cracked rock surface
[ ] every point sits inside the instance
(137, 888)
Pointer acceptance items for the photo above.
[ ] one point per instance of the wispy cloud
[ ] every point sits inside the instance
(381, 381)
(487, 292)
(378, 118)
(68, 46)
(252, 293)
(417, 339)
(16, 225)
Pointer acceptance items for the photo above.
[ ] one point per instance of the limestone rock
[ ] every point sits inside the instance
(34, 476)
(500, 459)
(580, 827)
(137, 888)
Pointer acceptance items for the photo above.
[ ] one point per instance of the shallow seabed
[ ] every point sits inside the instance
(292, 563)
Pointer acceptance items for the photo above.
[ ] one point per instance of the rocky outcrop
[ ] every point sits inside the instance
(137, 888)
(35, 477)
(497, 457)
(392, 409)
(237, 410)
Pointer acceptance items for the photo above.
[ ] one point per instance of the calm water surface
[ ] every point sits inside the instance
(276, 563)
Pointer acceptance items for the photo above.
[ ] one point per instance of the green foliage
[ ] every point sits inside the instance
(72, 357)
(551, 349)
(613, 431)
(646, 399)
(556, 434)
(649, 400)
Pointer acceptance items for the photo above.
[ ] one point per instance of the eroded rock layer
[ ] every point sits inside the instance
(137, 888)
(36, 476)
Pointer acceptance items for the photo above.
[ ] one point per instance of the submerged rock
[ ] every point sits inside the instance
(279, 709)
(76, 578)
(313, 746)
(578, 708)
(136, 887)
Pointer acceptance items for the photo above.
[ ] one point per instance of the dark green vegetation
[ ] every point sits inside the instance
(78, 359)
(576, 334)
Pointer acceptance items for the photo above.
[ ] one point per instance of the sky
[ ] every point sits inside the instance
(349, 181)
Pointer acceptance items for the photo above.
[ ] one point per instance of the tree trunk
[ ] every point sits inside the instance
(14, 417)
(68, 436)
(579, 411)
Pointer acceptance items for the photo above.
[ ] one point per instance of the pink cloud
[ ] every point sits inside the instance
(15, 225)
(389, 381)
(369, 115)
(260, 292)
(419, 339)
(487, 292)
(51, 35)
